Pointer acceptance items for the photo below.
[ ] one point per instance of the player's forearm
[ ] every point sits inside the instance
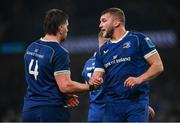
(153, 71)
(66, 85)
(74, 87)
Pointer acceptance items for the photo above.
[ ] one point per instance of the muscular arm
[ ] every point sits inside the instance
(156, 67)
(66, 85)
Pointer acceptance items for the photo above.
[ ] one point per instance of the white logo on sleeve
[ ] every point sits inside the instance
(149, 42)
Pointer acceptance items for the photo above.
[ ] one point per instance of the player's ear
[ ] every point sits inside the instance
(60, 29)
(116, 23)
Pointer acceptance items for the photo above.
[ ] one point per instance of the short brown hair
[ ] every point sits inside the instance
(116, 12)
(53, 19)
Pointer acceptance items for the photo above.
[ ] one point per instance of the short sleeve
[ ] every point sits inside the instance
(61, 63)
(146, 46)
(99, 66)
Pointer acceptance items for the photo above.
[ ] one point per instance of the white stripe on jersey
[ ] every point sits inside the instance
(150, 53)
(100, 70)
(61, 72)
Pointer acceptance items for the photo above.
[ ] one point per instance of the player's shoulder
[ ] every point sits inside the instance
(60, 48)
(141, 37)
(105, 45)
(104, 48)
(55, 46)
(31, 46)
(138, 34)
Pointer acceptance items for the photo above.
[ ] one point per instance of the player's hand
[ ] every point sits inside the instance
(96, 81)
(130, 82)
(72, 100)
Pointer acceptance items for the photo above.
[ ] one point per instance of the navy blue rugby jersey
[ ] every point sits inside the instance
(122, 59)
(96, 95)
(43, 60)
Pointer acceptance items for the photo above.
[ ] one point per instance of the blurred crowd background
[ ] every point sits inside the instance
(21, 23)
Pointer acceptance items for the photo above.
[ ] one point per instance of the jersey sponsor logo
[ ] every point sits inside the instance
(117, 61)
(127, 44)
(34, 54)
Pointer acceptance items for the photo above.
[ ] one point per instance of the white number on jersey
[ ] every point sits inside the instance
(35, 71)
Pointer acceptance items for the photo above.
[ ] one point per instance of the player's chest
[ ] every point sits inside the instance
(120, 50)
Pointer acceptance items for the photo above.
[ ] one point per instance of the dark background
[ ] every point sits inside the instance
(21, 23)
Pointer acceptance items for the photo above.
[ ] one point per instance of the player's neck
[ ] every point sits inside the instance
(119, 33)
(52, 38)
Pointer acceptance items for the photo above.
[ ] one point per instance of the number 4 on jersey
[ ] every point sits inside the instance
(35, 71)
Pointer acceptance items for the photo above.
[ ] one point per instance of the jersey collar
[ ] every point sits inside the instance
(49, 40)
(116, 41)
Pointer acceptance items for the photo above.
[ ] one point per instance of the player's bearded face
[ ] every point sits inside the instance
(64, 36)
(65, 30)
(106, 25)
(109, 32)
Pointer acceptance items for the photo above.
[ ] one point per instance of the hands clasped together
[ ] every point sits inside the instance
(96, 81)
